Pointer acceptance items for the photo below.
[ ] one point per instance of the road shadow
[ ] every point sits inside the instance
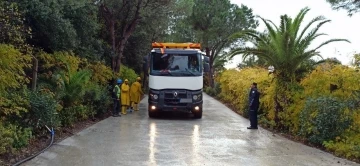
(173, 115)
(168, 115)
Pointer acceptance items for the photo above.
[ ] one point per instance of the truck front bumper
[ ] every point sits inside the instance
(188, 107)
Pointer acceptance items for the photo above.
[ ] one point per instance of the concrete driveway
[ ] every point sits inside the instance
(219, 138)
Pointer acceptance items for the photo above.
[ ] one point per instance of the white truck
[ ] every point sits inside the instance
(176, 73)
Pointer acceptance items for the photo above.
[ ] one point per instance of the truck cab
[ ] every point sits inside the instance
(176, 78)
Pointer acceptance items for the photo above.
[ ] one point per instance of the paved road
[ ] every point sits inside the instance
(220, 138)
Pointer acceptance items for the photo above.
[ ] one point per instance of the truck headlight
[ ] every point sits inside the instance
(154, 96)
(196, 97)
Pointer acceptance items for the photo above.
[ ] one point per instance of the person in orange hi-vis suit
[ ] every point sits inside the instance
(125, 96)
(135, 94)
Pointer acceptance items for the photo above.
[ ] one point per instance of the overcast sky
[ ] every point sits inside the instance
(341, 26)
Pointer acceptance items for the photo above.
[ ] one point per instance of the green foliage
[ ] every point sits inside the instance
(324, 116)
(21, 136)
(348, 146)
(356, 61)
(352, 6)
(51, 30)
(67, 116)
(83, 15)
(323, 119)
(235, 86)
(210, 91)
(14, 103)
(101, 73)
(83, 112)
(12, 28)
(127, 73)
(73, 85)
(286, 47)
(6, 139)
(12, 67)
(44, 109)
(181, 29)
(13, 137)
(97, 97)
(63, 25)
(216, 24)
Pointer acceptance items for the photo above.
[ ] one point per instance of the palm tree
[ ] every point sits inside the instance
(285, 47)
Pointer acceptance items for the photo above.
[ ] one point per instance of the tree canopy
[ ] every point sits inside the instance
(286, 46)
(352, 6)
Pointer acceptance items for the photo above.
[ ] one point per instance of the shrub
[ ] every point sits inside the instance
(13, 137)
(210, 91)
(6, 139)
(67, 116)
(100, 73)
(324, 118)
(73, 85)
(59, 61)
(44, 108)
(98, 98)
(14, 104)
(321, 108)
(127, 73)
(235, 86)
(12, 67)
(21, 136)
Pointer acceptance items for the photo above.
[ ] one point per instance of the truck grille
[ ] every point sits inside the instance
(171, 95)
(174, 102)
(170, 99)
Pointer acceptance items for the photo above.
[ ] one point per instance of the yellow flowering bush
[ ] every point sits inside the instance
(310, 110)
(235, 86)
(100, 73)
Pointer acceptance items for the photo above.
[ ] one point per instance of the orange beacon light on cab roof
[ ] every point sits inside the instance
(177, 45)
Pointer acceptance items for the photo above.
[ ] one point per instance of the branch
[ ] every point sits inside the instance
(106, 13)
(131, 27)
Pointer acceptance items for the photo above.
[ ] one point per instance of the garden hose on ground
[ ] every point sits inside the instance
(31, 157)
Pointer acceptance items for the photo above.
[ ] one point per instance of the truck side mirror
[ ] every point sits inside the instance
(206, 67)
(206, 59)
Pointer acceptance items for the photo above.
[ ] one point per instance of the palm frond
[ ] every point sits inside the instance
(330, 41)
(316, 19)
(298, 20)
(271, 30)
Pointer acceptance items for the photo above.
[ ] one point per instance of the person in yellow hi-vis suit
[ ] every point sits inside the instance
(125, 96)
(135, 94)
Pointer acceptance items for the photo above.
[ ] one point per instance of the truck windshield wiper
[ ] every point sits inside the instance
(193, 74)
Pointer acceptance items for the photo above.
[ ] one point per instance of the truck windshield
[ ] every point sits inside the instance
(176, 64)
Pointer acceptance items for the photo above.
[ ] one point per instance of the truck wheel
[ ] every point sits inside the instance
(198, 115)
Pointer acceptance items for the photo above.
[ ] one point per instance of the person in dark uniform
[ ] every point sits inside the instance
(254, 102)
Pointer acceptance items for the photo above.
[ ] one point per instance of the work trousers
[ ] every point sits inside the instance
(253, 118)
(116, 109)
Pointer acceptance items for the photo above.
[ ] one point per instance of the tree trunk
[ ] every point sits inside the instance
(113, 43)
(211, 82)
(120, 51)
(211, 75)
(34, 74)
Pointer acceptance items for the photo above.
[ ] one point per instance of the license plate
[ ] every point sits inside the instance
(185, 100)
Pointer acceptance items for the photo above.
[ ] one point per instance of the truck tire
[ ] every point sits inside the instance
(198, 115)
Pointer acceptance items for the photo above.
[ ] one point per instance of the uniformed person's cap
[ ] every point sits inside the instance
(254, 83)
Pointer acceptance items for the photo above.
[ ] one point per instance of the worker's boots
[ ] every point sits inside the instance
(136, 107)
(123, 110)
